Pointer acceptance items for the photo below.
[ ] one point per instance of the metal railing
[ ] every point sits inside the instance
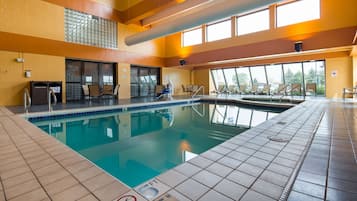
(201, 88)
(27, 100)
(52, 94)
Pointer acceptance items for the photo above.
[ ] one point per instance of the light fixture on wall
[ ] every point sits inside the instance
(298, 46)
(20, 60)
(182, 62)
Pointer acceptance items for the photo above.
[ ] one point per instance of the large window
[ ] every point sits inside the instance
(253, 22)
(298, 77)
(297, 11)
(219, 30)
(219, 80)
(314, 73)
(192, 37)
(87, 29)
(243, 76)
(275, 76)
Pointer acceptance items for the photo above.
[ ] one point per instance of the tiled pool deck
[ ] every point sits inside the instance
(250, 166)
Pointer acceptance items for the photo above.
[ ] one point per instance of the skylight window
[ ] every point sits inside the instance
(298, 11)
(192, 37)
(219, 30)
(253, 22)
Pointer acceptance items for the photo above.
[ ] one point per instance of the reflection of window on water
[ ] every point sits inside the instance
(241, 117)
(109, 132)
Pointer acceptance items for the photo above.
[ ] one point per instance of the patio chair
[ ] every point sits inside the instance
(310, 88)
(266, 89)
(295, 89)
(233, 89)
(254, 89)
(242, 89)
(107, 90)
(349, 91)
(281, 89)
(85, 90)
(94, 91)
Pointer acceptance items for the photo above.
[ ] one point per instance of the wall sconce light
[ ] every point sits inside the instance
(20, 60)
(298, 46)
(27, 73)
(182, 62)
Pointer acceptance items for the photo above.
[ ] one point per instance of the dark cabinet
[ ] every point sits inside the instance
(39, 91)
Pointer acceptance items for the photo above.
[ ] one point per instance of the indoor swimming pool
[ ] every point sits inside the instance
(137, 145)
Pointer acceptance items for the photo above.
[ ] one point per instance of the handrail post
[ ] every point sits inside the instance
(51, 93)
(198, 90)
(27, 100)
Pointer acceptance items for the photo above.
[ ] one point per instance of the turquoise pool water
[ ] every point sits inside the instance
(139, 145)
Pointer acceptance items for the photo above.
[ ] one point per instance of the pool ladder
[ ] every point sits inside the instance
(52, 94)
(27, 100)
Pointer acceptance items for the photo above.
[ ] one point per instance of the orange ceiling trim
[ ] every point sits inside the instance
(90, 7)
(44, 46)
(295, 58)
(320, 40)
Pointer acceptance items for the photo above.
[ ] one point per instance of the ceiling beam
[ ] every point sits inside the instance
(134, 14)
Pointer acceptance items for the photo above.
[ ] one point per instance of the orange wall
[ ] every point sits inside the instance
(13, 81)
(344, 78)
(32, 18)
(202, 78)
(177, 76)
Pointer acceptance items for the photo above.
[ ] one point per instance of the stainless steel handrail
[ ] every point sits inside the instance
(198, 90)
(27, 100)
(52, 94)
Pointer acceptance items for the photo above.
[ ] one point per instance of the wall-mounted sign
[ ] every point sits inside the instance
(334, 73)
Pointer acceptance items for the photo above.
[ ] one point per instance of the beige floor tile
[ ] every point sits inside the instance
(87, 173)
(14, 172)
(38, 158)
(79, 166)
(98, 181)
(72, 193)
(22, 178)
(33, 195)
(48, 169)
(72, 160)
(89, 197)
(42, 163)
(111, 191)
(21, 188)
(60, 185)
(12, 165)
(2, 197)
(53, 176)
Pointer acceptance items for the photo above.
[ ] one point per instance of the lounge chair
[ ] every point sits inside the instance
(107, 90)
(233, 89)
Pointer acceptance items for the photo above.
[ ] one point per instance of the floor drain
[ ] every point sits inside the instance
(281, 123)
(278, 139)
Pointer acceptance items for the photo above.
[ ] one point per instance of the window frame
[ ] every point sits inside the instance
(251, 13)
(189, 30)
